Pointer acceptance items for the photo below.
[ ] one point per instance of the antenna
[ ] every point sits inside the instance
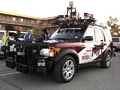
(71, 11)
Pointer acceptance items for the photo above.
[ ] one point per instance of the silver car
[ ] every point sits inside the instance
(116, 43)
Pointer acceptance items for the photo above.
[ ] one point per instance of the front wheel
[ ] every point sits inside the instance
(65, 70)
(106, 62)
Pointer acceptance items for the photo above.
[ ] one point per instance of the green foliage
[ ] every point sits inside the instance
(115, 28)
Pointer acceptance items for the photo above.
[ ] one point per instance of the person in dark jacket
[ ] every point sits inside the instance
(45, 34)
(18, 35)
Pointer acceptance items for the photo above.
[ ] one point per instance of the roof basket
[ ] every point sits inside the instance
(65, 20)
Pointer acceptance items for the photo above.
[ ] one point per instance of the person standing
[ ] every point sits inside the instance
(45, 34)
(5, 39)
(28, 36)
(18, 35)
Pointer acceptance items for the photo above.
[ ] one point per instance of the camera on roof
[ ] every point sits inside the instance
(87, 15)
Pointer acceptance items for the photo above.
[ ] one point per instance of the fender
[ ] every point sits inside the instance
(107, 50)
(71, 52)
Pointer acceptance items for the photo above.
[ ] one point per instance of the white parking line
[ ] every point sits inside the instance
(9, 74)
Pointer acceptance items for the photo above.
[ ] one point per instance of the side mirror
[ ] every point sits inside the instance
(88, 38)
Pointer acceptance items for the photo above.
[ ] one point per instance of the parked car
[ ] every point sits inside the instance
(2, 32)
(116, 43)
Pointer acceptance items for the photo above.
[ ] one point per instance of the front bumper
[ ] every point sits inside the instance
(28, 61)
(40, 67)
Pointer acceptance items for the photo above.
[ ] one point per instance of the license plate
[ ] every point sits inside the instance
(41, 63)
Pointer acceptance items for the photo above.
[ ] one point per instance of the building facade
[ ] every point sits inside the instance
(50, 24)
(25, 22)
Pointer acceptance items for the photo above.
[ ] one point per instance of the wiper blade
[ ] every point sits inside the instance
(62, 38)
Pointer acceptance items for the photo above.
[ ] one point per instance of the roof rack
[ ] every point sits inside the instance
(72, 19)
(65, 20)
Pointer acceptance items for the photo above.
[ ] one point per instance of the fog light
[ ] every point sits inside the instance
(41, 62)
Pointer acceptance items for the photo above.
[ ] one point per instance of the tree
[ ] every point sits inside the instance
(115, 28)
(39, 26)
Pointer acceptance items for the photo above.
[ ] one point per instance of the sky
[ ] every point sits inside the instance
(101, 9)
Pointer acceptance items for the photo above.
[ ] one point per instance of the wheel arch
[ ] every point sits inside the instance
(70, 52)
(106, 63)
(108, 50)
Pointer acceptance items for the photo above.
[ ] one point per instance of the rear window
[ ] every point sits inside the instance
(1, 35)
(115, 39)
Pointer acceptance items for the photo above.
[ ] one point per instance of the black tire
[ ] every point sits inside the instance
(106, 62)
(65, 70)
(115, 49)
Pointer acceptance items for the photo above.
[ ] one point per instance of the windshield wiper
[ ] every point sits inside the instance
(62, 38)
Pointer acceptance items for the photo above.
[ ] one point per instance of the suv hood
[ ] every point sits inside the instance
(63, 43)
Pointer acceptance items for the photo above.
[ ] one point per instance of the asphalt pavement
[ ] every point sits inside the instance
(88, 78)
(1, 55)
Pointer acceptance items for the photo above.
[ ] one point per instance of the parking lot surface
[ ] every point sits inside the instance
(88, 78)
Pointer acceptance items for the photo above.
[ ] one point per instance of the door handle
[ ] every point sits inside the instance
(99, 46)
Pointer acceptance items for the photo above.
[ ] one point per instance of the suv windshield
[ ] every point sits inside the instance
(68, 34)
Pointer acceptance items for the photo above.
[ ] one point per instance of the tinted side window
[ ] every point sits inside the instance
(90, 32)
(115, 39)
(99, 35)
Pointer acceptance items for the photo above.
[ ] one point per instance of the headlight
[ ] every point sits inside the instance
(48, 52)
(45, 52)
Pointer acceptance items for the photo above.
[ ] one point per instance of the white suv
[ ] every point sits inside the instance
(2, 32)
(116, 43)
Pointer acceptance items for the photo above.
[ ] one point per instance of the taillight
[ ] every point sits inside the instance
(52, 52)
